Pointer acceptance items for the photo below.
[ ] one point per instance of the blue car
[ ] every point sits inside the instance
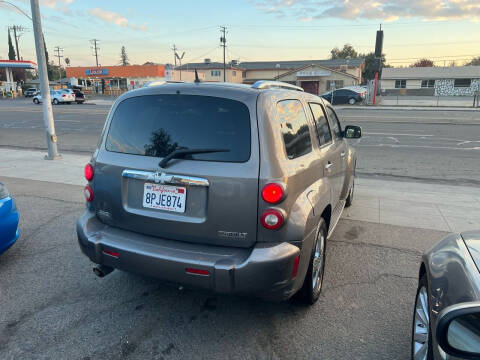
(9, 217)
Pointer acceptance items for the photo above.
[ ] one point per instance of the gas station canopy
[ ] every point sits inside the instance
(8, 65)
(17, 64)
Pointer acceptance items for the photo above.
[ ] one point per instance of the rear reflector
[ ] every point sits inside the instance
(111, 253)
(88, 192)
(272, 219)
(197, 271)
(272, 193)
(89, 172)
(295, 266)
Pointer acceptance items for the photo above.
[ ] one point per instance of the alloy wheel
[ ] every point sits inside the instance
(421, 326)
(318, 259)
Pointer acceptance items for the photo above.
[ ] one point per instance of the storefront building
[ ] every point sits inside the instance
(317, 79)
(107, 79)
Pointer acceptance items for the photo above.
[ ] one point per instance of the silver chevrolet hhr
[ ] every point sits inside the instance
(233, 188)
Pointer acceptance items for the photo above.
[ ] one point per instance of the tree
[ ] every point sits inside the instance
(11, 50)
(124, 57)
(49, 66)
(423, 63)
(348, 52)
(67, 61)
(474, 62)
(371, 66)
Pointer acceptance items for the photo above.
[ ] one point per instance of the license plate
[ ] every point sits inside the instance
(164, 197)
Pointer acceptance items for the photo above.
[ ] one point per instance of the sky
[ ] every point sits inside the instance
(442, 30)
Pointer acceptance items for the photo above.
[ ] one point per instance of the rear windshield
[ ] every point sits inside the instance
(156, 125)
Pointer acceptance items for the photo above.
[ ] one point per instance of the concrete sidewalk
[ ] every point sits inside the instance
(417, 205)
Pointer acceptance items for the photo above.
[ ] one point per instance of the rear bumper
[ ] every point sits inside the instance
(264, 270)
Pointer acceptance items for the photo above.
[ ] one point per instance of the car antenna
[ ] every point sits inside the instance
(197, 80)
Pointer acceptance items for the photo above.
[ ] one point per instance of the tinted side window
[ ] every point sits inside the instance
(294, 127)
(321, 124)
(337, 129)
(156, 125)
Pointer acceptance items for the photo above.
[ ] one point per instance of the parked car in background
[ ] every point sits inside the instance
(58, 97)
(343, 96)
(9, 217)
(446, 317)
(213, 213)
(79, 96)
(30, 92)
(362, 90)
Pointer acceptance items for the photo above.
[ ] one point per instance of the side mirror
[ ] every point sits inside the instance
(458, 330)
(353, 132)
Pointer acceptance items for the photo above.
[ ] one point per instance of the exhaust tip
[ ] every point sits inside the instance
(102, 271)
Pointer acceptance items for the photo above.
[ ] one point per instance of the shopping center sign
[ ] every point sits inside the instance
(313, 73)
(91, 72)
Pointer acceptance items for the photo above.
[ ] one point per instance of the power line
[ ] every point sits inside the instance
(203, 55)
(95, 48)
(314, 27)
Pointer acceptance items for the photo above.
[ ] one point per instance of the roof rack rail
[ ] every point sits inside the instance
(265, 84)
(161, 82)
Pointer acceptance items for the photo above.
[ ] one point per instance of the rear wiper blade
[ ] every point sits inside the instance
(181, 153)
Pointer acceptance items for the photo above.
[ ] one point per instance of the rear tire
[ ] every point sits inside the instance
(421, 324)
(349, 200)
(55, 101)
(352, 101)
(312, 284)
(36, 101)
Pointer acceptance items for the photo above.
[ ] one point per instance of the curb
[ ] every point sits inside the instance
(407, 108)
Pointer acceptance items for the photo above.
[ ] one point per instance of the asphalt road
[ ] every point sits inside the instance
(52, 306)
(425, 145)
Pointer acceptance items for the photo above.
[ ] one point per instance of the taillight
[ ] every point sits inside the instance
(64, 95)
(89, 172)
(295, 266)
(88, 192)
(111, 253)
(272, 193)
(272, 219)
(197, 271)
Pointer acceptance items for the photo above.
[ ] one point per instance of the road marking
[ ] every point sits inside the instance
(418, 146)
(391, 134)
(394, 139)
(406, 117)
(424, 137)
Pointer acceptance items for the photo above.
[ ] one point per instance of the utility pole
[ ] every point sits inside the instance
(44, 86)
(180, 58)
(95, 48)
(223, 43)
(17, 32)
(57, 51)
(174, 48)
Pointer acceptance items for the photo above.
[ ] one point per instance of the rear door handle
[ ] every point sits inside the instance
(329, 166)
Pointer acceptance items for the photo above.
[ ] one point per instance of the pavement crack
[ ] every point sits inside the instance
(378, 246)
(371, 282)
(20, 195)
(46, 223)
